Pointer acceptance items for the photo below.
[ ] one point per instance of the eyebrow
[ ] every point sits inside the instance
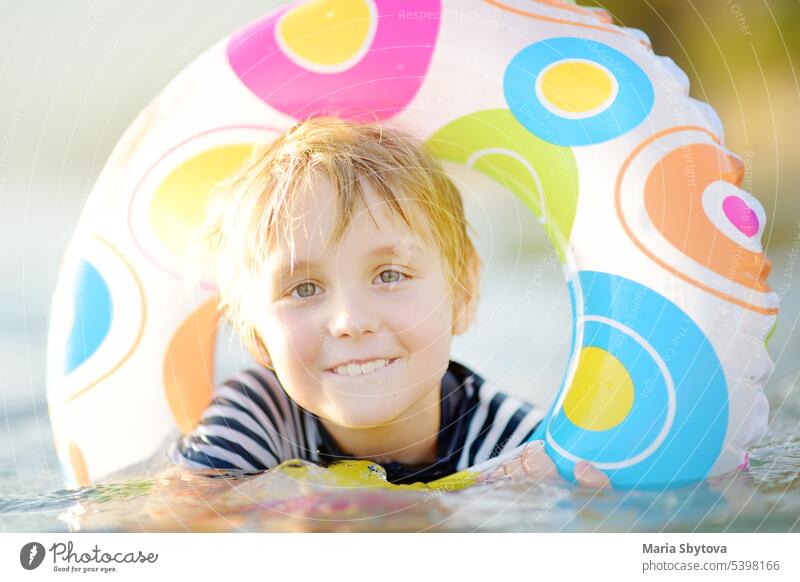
(400, 249)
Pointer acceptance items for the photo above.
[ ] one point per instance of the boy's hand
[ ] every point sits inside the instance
(533, 461)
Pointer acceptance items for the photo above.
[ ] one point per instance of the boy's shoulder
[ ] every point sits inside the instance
(475, 386)
(463, 374)
(256, 381)
(479, 420)
(250, 425)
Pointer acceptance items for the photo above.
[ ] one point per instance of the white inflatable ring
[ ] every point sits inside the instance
(597, 135)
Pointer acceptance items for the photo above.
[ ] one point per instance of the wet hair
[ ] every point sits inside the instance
(256, 204)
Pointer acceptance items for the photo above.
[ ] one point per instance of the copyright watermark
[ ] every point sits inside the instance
(65, 558)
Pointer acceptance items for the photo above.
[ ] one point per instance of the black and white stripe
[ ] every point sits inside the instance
(252, 425)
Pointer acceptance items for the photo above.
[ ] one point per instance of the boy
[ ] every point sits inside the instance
(345, 267)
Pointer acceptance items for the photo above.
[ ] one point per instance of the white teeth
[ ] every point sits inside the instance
(361, 369)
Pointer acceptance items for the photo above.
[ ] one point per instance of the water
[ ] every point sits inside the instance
(524, 302)
(763, 499)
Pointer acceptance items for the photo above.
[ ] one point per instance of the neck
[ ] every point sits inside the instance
(410, 439)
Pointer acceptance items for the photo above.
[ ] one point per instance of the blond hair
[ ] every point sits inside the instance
(256, 203)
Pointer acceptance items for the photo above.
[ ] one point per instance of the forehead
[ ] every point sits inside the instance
(309, 227)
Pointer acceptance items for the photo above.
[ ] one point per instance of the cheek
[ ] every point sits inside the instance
(292, 338)
(423, 320)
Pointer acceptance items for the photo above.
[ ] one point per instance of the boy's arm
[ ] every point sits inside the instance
(532, 461)
(501, 447)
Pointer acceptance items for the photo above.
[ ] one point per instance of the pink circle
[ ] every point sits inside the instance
(379, 86)
(741, 215)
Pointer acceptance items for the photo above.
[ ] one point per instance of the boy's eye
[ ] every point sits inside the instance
(305, 290)
(390, 276)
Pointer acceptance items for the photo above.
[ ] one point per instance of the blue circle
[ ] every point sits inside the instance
(647, 415)
(631, 106)
(93, 311)
(697, 432)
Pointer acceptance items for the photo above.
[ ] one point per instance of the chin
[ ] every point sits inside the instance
(363, 415)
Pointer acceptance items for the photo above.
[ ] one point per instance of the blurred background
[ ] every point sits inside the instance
(73, 75)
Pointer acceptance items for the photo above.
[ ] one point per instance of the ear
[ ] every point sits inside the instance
(466, 301)
(461, 316)
(255, 345)
(464, 312)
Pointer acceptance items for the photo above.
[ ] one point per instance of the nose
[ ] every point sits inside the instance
(352, 314)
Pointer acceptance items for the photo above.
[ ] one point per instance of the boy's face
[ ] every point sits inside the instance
(359, 332)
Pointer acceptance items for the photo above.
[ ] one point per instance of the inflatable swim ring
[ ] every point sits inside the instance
(659, 243)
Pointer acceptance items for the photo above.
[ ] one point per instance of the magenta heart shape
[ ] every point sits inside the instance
(741, 215)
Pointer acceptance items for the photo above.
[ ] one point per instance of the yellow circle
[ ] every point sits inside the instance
(178, 206)
(328, 32)
(601, 395)
(576, 86)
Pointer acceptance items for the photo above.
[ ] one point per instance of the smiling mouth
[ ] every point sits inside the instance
(365, 369)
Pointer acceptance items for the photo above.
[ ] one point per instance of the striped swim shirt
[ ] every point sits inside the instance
(251, 425)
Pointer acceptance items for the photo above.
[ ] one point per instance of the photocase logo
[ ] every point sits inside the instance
(31, 555)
